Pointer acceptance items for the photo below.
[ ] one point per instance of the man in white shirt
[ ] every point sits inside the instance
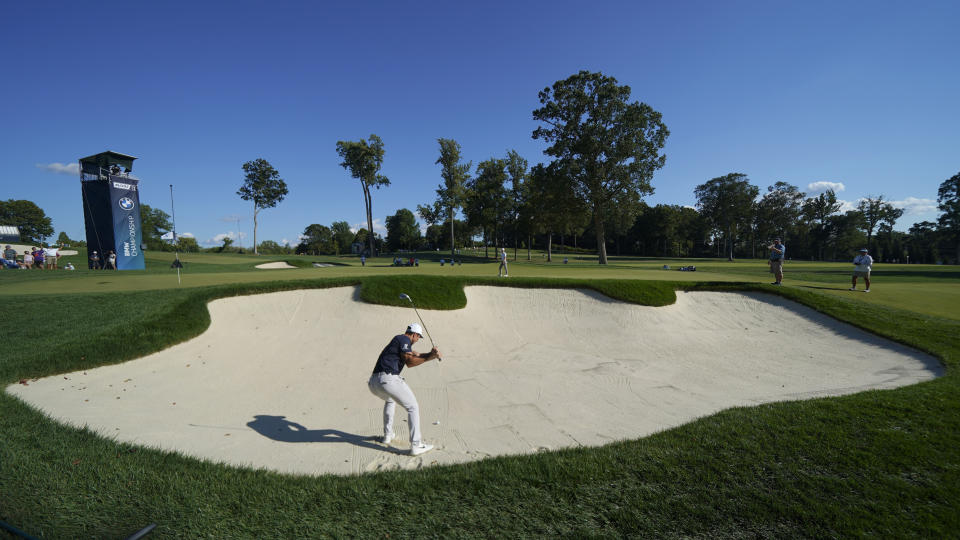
(864, 263)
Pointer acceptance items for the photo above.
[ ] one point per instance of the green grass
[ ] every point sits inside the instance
(877, 463)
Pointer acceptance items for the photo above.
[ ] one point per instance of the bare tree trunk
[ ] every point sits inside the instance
(255, 212)
(601, 242)
(550, 246)
(452, 243)
(369, 204)
(529, 242)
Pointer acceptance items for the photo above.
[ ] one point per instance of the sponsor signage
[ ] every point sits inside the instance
(127, 233)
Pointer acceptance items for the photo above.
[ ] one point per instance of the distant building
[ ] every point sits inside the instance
(9, 233)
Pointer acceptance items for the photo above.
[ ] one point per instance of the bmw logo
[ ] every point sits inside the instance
(126, 203)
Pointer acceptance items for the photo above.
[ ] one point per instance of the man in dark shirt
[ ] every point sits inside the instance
(387, 384)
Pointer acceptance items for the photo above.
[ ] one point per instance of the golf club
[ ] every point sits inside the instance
(404, 296)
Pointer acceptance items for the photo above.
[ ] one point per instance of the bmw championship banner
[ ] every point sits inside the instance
(127, 235)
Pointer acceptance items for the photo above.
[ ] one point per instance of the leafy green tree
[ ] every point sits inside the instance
(33, 223)
(777, 212)
(844, 234)
(551, 204)
(517, 172)
(262, 185)
(342, 237)
(273, 248)
(450, 194)
(487, 201)
(725, 202)
(608, 146)
(364, 161)
(64, 240)
(154, 223)
(876, 211)
(402, 230)
(317, 240)
(227, 242)
(948, 202)
(922, 243)
(187, 244)
(816, 211)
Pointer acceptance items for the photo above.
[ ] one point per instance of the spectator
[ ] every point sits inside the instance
(52, 256)
(111, 260)
(94, 261)
(863, 264)
(27, 259)
(38, 258)
(10, 258)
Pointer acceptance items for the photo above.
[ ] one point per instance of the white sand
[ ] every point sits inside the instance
(275, 265)
(279, 380)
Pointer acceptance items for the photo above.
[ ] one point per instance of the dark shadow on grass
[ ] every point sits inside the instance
(280, 429)
(824, 288)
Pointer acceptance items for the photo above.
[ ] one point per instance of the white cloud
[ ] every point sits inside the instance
(816, 188)
(378, 227)
(168, 236)
(846, 206)
(284, 242)
(72, 169)
(913, 205)
(218, 239)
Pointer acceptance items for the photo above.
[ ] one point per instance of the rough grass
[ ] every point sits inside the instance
(878, 463)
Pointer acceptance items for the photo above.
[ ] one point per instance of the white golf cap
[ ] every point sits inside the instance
(415, 328)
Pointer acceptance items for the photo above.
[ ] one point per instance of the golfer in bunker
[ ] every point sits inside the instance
(387, 384)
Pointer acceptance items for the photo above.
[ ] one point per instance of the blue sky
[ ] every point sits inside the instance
(861, 96)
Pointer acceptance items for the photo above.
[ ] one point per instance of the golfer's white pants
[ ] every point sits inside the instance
(393, 389)
(503, 268)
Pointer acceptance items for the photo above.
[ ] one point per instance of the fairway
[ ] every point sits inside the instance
(554, 381)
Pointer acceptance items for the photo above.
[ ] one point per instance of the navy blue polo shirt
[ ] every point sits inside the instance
(390, 360)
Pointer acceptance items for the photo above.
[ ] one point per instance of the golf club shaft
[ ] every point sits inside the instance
(415, 310)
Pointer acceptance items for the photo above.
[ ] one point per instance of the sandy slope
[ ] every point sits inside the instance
(279, 380)
(274, 265)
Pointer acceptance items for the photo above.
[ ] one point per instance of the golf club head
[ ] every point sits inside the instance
(403, 296)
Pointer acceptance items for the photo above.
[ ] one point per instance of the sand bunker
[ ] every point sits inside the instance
(279, 380)
(274, 265)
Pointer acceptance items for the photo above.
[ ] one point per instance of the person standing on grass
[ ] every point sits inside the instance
(38, 258)
(111, 260)
(502, 271)
(387, 384)
(864, 263)
(777, 253)
(27, 259)
(95, 261)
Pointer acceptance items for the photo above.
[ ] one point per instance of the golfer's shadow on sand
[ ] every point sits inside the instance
(280, 429)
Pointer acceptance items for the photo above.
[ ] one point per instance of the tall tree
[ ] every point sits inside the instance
(876, 211)
(816, 211)
(608, 146)
(342, 236)
(316, 240)
(262, 185)
(33, 223)
(726, 201)
(402, 230)
(948, 202)
(450, 194)
(517, 171)
(552, 203)
(364, 159)
(778, 211)
(487, 200)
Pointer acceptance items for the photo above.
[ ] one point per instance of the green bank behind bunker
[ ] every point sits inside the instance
(601, 417)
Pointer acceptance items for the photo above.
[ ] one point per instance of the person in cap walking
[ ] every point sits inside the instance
(864, 263)
(387, 384)
(502, 271)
